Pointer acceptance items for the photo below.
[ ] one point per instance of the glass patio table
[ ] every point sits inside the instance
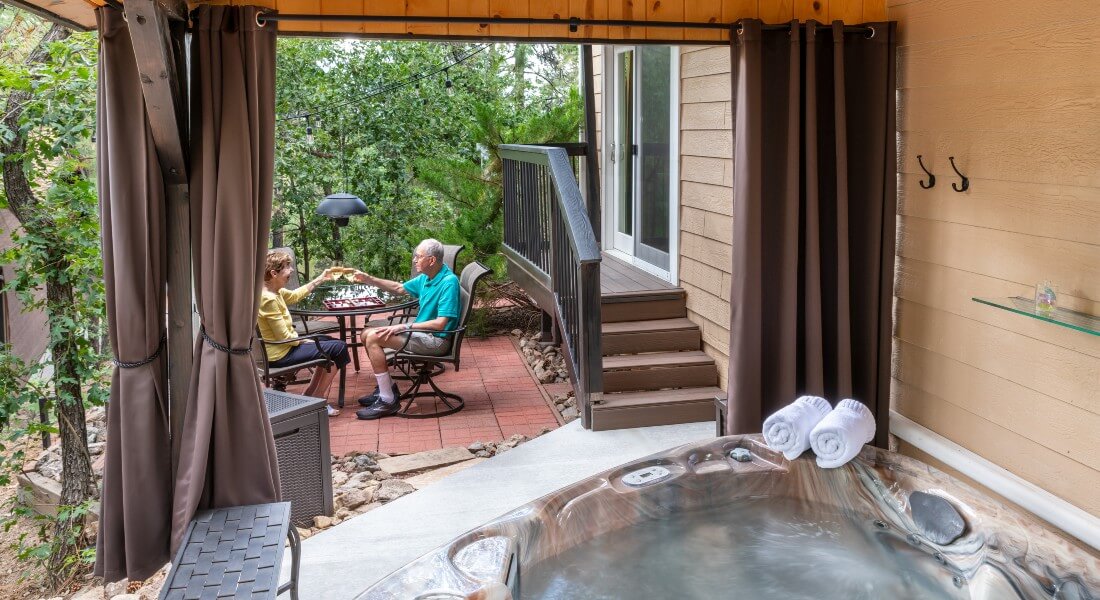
(345, 301)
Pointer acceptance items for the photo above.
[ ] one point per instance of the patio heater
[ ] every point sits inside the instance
(340, 207)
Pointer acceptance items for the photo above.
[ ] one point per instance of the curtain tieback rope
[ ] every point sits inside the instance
(225, 349)
(133, 365)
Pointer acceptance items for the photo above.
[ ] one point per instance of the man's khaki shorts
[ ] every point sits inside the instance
(427, 344)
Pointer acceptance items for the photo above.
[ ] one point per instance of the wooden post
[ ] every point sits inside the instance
(181, 336)
(592, 157)
(157, 30)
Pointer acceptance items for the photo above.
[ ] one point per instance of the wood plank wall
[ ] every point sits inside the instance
(701, 11)
(1014, 95)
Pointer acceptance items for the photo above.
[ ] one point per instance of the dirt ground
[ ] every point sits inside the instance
(17, 580)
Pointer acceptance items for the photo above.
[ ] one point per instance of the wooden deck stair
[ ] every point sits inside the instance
(654, 369)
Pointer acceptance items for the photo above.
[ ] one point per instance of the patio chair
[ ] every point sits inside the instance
(450, 258)
(422, 368)
(279, 377)
(301, 324)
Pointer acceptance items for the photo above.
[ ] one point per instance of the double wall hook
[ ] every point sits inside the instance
(931, 177)
(965, 179)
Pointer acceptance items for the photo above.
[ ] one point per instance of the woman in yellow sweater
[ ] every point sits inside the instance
(275, 323)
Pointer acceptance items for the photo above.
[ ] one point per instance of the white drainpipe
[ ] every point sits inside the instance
(1062, 514)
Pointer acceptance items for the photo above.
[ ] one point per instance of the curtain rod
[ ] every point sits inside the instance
(572, 22)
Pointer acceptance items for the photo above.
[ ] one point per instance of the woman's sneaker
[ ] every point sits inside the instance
(332, 412)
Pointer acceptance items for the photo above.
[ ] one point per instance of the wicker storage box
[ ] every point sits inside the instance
(300, 427)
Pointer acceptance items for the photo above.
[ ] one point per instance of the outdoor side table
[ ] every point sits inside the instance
(235, 552)
(300, 427)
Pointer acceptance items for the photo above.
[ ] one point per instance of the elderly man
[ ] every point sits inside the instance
(437, 290)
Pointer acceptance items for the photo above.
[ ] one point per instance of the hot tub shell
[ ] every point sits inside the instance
(1001, 550)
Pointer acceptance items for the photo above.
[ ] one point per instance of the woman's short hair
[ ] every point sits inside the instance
(432, 247)
(277, 260)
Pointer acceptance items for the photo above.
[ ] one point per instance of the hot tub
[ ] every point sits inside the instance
(695, 523)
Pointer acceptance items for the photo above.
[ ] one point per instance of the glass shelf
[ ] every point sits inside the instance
(1059, 316)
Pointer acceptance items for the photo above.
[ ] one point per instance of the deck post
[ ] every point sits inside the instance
(591, 152)
(157, 29)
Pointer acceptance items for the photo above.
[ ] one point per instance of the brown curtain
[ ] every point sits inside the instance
(136, 500)
(227, 454)
(814, 213)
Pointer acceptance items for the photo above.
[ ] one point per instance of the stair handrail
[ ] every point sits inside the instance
(548, 231)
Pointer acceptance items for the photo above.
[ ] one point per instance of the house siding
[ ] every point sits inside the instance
(706, 195)
(25, 331)
(1014, 95)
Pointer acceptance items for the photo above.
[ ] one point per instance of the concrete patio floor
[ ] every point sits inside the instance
(344, 561)
(502, 399)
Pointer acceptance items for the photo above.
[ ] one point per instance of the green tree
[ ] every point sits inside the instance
(47, 85)
(375, 119)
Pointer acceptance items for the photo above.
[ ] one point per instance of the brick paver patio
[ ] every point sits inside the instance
(502, 398)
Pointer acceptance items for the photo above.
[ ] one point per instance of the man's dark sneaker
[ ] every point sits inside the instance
(378, 410)
(373, 397)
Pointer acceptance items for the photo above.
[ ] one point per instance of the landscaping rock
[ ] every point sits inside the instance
(431, 459)
(339, 478)
(322, 522)
(475, 447)
(116, 588)
(483, 454)
(392, 489)
(546, 361)
(358, 498)
(425, 479)
(89, 593)
(125, 597)
(365, 463)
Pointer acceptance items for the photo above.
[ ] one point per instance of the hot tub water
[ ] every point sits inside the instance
(753, 548)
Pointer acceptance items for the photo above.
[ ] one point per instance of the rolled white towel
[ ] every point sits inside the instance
(840, 436)
(788, 430)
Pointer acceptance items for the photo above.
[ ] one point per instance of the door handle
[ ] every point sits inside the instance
(612, 154)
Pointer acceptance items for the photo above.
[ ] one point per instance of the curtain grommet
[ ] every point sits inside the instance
(872, 34)
(259, 18)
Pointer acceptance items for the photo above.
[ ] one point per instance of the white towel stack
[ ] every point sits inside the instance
(840, 436)
(788, 430)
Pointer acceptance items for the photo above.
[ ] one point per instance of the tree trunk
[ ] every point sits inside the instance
(77, 480)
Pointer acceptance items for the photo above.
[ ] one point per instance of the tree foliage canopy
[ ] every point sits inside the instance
(362, 117)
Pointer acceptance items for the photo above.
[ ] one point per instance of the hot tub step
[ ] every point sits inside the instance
(662, 407)
(658, 370)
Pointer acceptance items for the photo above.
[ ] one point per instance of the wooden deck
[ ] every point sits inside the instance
(621, 281)
(654, 369)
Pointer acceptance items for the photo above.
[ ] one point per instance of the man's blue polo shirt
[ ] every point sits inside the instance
(438, 296)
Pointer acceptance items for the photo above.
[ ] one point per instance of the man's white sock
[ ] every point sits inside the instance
(385, 387)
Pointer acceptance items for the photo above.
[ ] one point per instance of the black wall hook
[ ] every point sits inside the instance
(931, 177)
(965, 179)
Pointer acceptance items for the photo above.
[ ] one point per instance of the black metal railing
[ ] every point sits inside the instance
(547, 231)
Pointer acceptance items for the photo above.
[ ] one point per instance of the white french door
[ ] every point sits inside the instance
(640, 209)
